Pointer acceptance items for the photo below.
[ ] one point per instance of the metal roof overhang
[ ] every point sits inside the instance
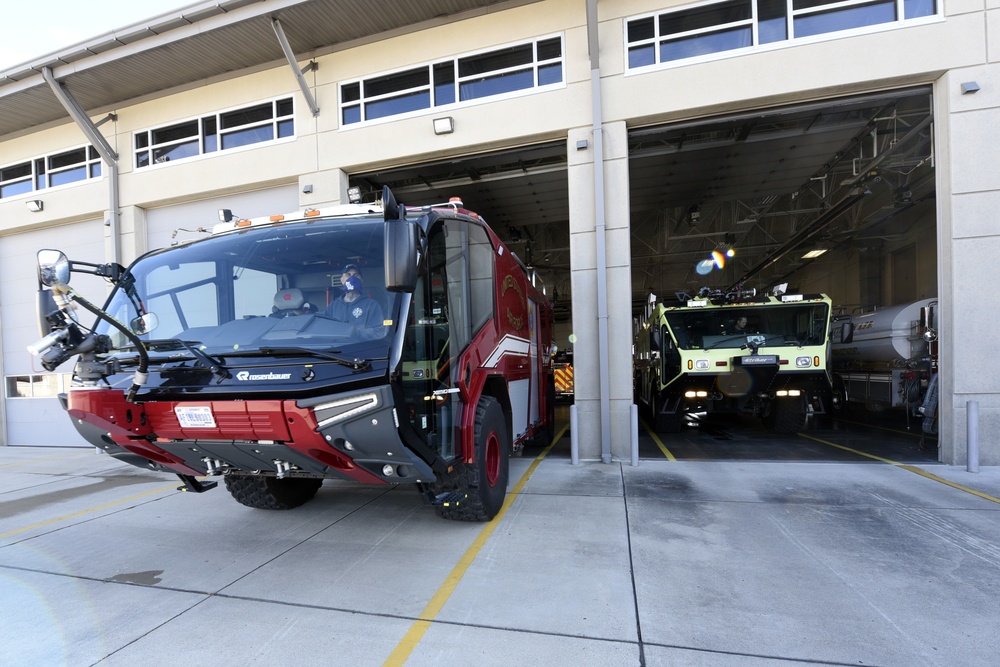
(206, 41)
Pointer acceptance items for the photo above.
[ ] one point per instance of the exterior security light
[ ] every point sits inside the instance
(35, 205)
(444, 125)
(970, 87)
(354, 194)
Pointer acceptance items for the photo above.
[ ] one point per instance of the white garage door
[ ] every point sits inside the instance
(161, 223)
(31, 407)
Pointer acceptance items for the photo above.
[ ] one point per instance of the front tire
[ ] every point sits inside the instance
(665, 422)
(476, 491)
(271, 493)
(787, 416)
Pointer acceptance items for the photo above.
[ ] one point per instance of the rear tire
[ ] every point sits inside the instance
(477, 490)
(271, 493)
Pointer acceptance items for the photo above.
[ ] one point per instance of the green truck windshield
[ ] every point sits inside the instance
(765, 325)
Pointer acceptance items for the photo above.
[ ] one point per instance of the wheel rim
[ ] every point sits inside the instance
(492, 462)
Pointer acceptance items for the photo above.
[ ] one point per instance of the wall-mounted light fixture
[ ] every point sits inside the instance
(970, 87)
(444, 125)
(35, 205)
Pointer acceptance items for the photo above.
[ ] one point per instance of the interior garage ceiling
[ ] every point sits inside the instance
(837, 174)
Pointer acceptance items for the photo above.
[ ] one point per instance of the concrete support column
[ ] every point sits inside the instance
(968, 196)
(584, 280)
(132, 234)
(323, 188)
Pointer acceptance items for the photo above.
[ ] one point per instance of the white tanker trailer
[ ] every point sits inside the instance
(885, 358)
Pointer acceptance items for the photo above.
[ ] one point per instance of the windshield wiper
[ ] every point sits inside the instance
(728, 339)
(211, 363)
(355, 363)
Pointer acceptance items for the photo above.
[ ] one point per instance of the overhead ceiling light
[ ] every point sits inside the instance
(813, 254)
(35, 205)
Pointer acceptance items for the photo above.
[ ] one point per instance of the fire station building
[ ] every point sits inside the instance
(612, 145)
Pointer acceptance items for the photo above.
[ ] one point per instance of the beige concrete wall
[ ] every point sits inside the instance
(964, 47)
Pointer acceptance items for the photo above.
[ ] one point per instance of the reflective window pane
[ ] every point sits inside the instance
(641, 29)
(916, 8)
(253, 135)
(641, 56)
(549, 74)
(11, 189)
(19, 386)
(845, 19)
(247, 116)
(352, 115)
(397, 105)
(704, 17)
(700, 45)
(496, 85)
(394, 83)
(175, 132)
(67, 176)
(495, 60)
(176, 152)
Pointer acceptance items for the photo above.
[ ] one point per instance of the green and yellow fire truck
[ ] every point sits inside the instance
(733, 352)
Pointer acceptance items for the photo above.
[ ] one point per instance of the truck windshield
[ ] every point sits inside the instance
(735, 327)
(267, 287)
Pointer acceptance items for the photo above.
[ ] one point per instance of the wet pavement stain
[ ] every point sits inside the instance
(147, 578)
(41, 497)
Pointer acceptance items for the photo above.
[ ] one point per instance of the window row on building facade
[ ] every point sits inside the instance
(50, 171)
(693, 31)
(511, 69)
(711, 28)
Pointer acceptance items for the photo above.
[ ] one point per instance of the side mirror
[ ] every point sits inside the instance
(654, 338)
(144, 324)
(53, 268)
(847, 332)
(402, 249)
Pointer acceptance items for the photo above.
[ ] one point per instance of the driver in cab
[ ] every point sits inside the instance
(357, 308)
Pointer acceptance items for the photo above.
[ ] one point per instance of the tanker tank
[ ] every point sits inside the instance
(889, 336)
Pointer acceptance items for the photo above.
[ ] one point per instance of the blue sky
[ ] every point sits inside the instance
(31, 28)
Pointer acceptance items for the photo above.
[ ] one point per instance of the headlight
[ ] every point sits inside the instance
(701, 365)
(803, 362)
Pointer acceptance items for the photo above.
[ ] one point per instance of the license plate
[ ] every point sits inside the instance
(197, 416)
(759, 360)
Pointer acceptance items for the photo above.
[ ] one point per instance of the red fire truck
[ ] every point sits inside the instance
(378, 343)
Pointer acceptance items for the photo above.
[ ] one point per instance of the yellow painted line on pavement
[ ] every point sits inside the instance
(416, 632)
(656, 439)
(88, 511)
(50, 458)
(915, 470)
